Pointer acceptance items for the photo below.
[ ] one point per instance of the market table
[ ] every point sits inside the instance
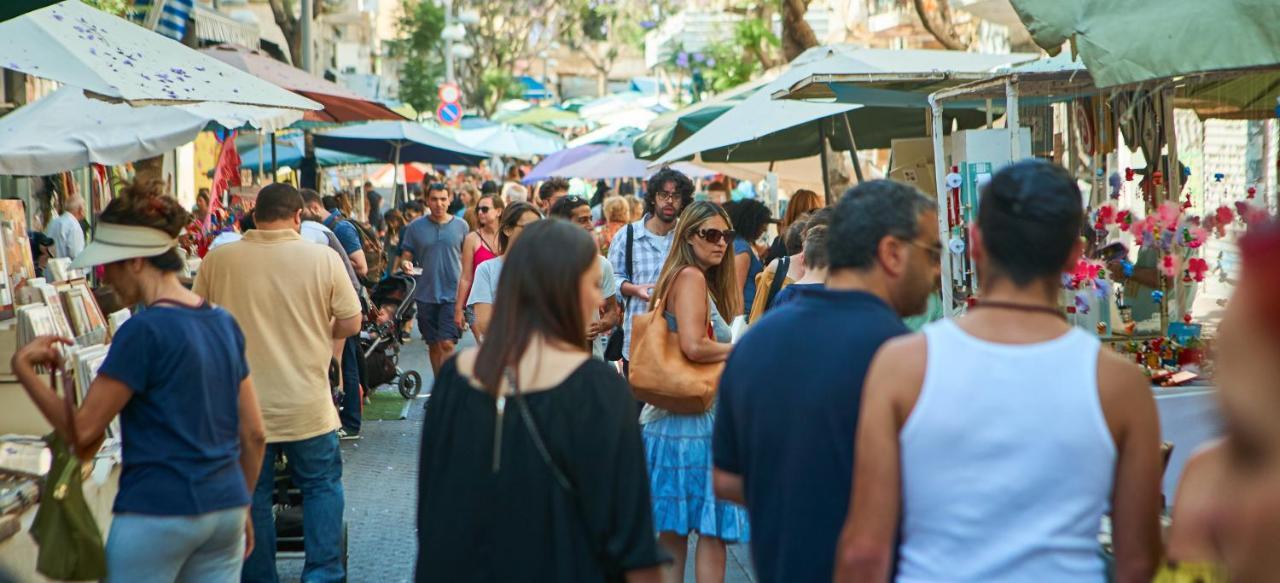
(18, 551)
(1189, 417)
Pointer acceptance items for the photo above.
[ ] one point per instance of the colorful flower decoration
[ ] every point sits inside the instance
(1197, 267)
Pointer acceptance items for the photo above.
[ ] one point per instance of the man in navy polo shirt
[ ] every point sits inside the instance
(789, 396)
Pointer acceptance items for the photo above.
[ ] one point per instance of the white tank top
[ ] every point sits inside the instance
(1007, 462)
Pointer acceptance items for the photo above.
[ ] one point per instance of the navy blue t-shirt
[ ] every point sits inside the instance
(181, 428)
(789, 401)
(789, 294)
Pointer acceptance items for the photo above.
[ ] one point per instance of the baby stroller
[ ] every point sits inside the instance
(380, 340)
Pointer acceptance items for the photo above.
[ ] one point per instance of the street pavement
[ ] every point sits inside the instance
(380, 475)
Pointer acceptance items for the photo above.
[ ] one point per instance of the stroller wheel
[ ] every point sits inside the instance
(410, 384)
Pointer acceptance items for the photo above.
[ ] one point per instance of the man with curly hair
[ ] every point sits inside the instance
(638, 251)
(550, 192)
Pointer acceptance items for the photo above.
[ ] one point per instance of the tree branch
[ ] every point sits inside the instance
(936, 17)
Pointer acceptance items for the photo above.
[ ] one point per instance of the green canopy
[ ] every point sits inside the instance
(15, 8)
(671, 128)
(890, 91)
(1129, 42)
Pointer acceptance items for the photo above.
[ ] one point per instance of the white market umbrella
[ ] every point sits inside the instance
(511, 141)
(67, 130)
(78, 45)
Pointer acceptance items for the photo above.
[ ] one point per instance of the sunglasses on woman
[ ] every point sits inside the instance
(483, 209)
(714, 236)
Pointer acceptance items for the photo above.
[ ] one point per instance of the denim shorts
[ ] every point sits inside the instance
(435, 321)
(143, 548)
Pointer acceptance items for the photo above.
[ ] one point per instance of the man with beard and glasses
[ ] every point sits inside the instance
(789, 396)
(639, 250)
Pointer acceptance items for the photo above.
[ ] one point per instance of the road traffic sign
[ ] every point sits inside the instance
(449, 113)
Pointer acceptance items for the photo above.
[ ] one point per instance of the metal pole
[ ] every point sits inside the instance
(274, 167)
(853, 148)
(261, 159)
(822, 157)
(990, 114)
(306, 35)
(448, 42)
(395, 179)
(944, 229)
(1173, 178)
(1011, 118)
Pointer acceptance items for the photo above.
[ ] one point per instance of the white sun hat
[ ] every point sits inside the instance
(114, 242)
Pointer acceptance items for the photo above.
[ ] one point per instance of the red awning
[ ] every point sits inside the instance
(340, 104)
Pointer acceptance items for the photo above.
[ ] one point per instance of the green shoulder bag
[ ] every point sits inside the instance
(68, 537)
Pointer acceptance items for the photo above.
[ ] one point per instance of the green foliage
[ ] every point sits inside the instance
(423, 51)
(726, 64)
(116, 7)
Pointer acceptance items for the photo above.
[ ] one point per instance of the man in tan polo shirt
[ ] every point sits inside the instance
(292, 298)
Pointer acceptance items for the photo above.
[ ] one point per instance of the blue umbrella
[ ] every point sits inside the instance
(289, 154)
(398, 142)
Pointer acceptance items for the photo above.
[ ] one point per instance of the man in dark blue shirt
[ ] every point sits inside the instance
(789, 396)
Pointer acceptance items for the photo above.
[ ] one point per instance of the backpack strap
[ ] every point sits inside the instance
(631, 265)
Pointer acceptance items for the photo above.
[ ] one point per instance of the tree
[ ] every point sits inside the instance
(936, 17)
(291, 26)
(599, 30)
(797, 35)
(508, 31)
(116, 7)
(423, 52)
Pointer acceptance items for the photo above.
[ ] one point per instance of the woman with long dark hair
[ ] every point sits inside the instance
(480, 246)
(176, 374)
(484, 285)
(531, 463)
(698, 284)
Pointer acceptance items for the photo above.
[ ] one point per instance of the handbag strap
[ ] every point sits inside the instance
(631, 266)
(68, 401)
(561, 478)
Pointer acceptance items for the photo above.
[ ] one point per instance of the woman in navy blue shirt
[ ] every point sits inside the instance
(750, 218)
(192, 434)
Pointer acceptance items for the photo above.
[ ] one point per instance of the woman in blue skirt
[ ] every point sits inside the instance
(699, 285)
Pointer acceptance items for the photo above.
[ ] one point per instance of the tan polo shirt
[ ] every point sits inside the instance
(284, 292)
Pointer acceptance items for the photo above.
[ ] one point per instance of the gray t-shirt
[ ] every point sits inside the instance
(437, 248)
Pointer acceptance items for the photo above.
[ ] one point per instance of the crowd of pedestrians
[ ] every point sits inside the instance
(838, 444)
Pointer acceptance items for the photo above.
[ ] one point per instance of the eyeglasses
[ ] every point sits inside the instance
(714, 236)
(934, 251)
(437, 186)
(483, 209)
(667, 195)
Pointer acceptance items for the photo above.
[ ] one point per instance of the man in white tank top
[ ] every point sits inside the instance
(989, 447)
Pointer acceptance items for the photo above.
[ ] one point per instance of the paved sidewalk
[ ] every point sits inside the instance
(380, 474)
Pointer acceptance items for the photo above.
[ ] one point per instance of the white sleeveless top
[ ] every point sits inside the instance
(1007, 462)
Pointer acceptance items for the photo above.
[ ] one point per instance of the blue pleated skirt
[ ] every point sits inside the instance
(678, 450)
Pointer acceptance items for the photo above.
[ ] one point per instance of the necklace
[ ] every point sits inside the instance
(1019, 307)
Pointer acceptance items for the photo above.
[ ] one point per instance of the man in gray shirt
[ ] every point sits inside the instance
(434, 242)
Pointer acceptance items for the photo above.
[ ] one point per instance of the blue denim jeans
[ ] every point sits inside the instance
(351, 398)
(315, 465)
(202, 548)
